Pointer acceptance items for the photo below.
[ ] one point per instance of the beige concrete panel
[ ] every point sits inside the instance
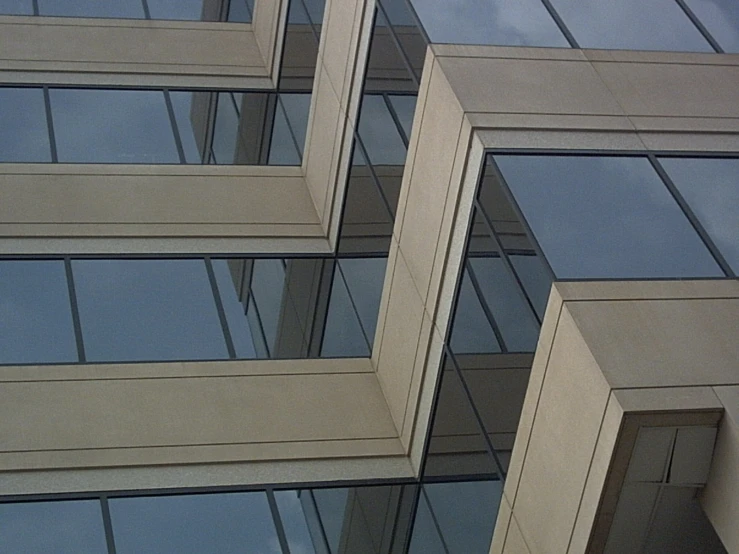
(419, 220)
(268, 24)
(646, 290)
(570, 140)
(161, 76)
(501, 526)
(528, 86)
(686, 124)
(544, 122)
(657, 350)
(720, 498)
(562, 442)
(709, 142)
(506, 52)
(132, 46)
(195, 413)
(203, 475)
(694, 90)
(690, 402)
(400, 341)
(654, 56)
(135, 230)
(515, 542)
(384, 301)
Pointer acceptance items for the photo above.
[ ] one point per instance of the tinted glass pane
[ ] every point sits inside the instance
(176, 9)
(226, 143)
(631, 24)
(16, 7)
(92, 8)
(284, 146)
(721, 18)
(231, 278)
(59, 527)
(147, 310)
(239, 11)
(711, 188)
(605, 217)
(364, 278)
(35, 313)
(465, 513)
(222, 523)
(379, 133)
(294, 522)
(405, 108)
(506, 302)
(187, 118)
(504, 22)
(112, 126)
(267, 287)
(535, 279)
(297, 107)
(331, 504)
(425, 538)
(24, 134)
(343, 335)
(472, 332)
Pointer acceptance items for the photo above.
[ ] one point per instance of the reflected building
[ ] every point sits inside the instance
(383, 277)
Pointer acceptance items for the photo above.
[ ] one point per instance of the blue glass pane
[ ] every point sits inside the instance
(267, 288)
(297, 108)
(284, 144)
(631, 25)
(425, 538)
(721, 18)
(74, 527)
(502, 22)
(16, 7)
(226, 142)
(190, 10)
(219, 523)
(711, 188)
(144, 310)
(112, 126)
(535, 279)
(24, 134)
(93, 8)
(35, 313)
(230, 277)
(294, 522)
(365, 278)
(331, 504)
(405, 109)
(240, 11)
(343, 335)
(471, 332)
(605, 217)
(379, 133)
(186, 117)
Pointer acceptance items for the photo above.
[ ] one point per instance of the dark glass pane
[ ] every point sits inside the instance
(222, 523)
(379, 133)
(93, 8)
(267, 288)
(425, 538)
(231, 277)
(186, 106)
(343, 335)
(144, 310)
(387, 65)
(471, 332)
(520, 23)
(294, 522)
(631, 25)
(721, 18)
(365, 278)
(112, 126)
(605, 217)
(535, 279)
(506, 302)
(711, 188)
(331, 505)
(16, 7)
(284, 146)
(189, 10)
(465, 513)
(405, 109)
(398, 13)
(35, 313)
(240, 11)
(74, 527)
(24, 134)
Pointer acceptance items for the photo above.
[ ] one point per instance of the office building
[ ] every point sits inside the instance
(369, 276)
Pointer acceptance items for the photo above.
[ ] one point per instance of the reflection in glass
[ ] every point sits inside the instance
(267, 289)
(231, 276)
(605, 217)
(297, 108)
(405, 108)
(364, 278)
(35, 313)
(425, 538)
(721, 18)
(501, 22)
(92, 8)
(71, 527)
(332, 506)
(189, 10)
(222, 523)
(16, 7)
(24, 134)
(186, 106)
(145, 310)
(631, 24)
(343, 334)
(240, 11)
(284, 144)
(112, 126)
(226, 139)
(535, 279)
(472, 332)
(711, 188)
(379, 133)
(294, 522)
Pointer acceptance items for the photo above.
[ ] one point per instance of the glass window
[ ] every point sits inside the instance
(721, 18)
(297, 107)
(405, 108)
(502, 22)
(226, 140)
(631, 24)
(331, 505)
(16, 7)
(74, 527)
(605, 217)
(711, 188)
(471, 332)
(294, 522)
(24, 133)
(35, 313)
(425, 538)
(190, 10)
(284, 144)
(267, 288)
(195, 523)
(535, 279)
(231, 278)
(112, 126)
(187, 107)
(379, 133)
(93, 8)
(239, 11)
(343, 335)
(146, 310)
(365, 278)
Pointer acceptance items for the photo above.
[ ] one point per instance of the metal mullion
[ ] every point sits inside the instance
(396, 120)
(484, 305)
(219, 308)
(559, 22)
(277, 520)
(398, 45)
(173, 122)
(685, 207)
(701, 28)
(107, 524)
(145, 5)
(76, 323)
(50, 125)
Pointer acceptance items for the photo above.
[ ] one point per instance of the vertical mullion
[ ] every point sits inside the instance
(75, 311)
(219, 308)
(281, 536)
(50, 125)
(145, 5)
(175, 130)
(107, 524)
(701, 28)
(559, 22)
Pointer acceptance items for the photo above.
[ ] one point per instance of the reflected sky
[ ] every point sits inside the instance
(343, 333)
(471, 332)
(721, 18)
(16, 7)
(294, 522)
(331, 504)
(92, 8)
(501, 22)
(605, 217)
(631, 24)
(24, 134)
(405, 109)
